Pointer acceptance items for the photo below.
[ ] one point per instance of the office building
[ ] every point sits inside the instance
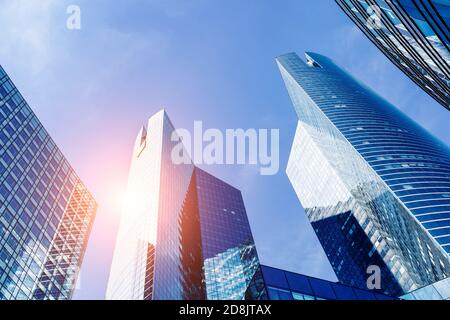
(414, 35)
(184, 234)
(46, 212)
(374, 184)
(437, 291)
(276, 284)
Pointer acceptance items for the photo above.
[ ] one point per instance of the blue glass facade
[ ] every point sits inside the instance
(46, 213)
(184, 233)
(228, 249)
(374, 184)
(275, 284)
(436, 291)
(413, 34)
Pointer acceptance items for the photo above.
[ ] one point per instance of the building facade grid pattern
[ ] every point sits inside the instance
(202, 246)
(413, 34)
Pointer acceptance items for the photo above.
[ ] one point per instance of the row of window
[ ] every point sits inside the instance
(283, 285)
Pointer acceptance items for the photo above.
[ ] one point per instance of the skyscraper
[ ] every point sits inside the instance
(374, 184)
(184, 234)
(414, 35)
(46, 212)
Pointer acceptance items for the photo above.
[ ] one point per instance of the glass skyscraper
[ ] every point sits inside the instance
(184, 234)
(413, 34)
(46, 212)
(374, 184)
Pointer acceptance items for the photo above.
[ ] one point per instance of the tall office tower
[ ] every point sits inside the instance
(413, 34)
(374, 184)
(46, 212)
(183, 234)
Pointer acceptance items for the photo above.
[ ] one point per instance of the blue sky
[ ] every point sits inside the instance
(209, 60)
